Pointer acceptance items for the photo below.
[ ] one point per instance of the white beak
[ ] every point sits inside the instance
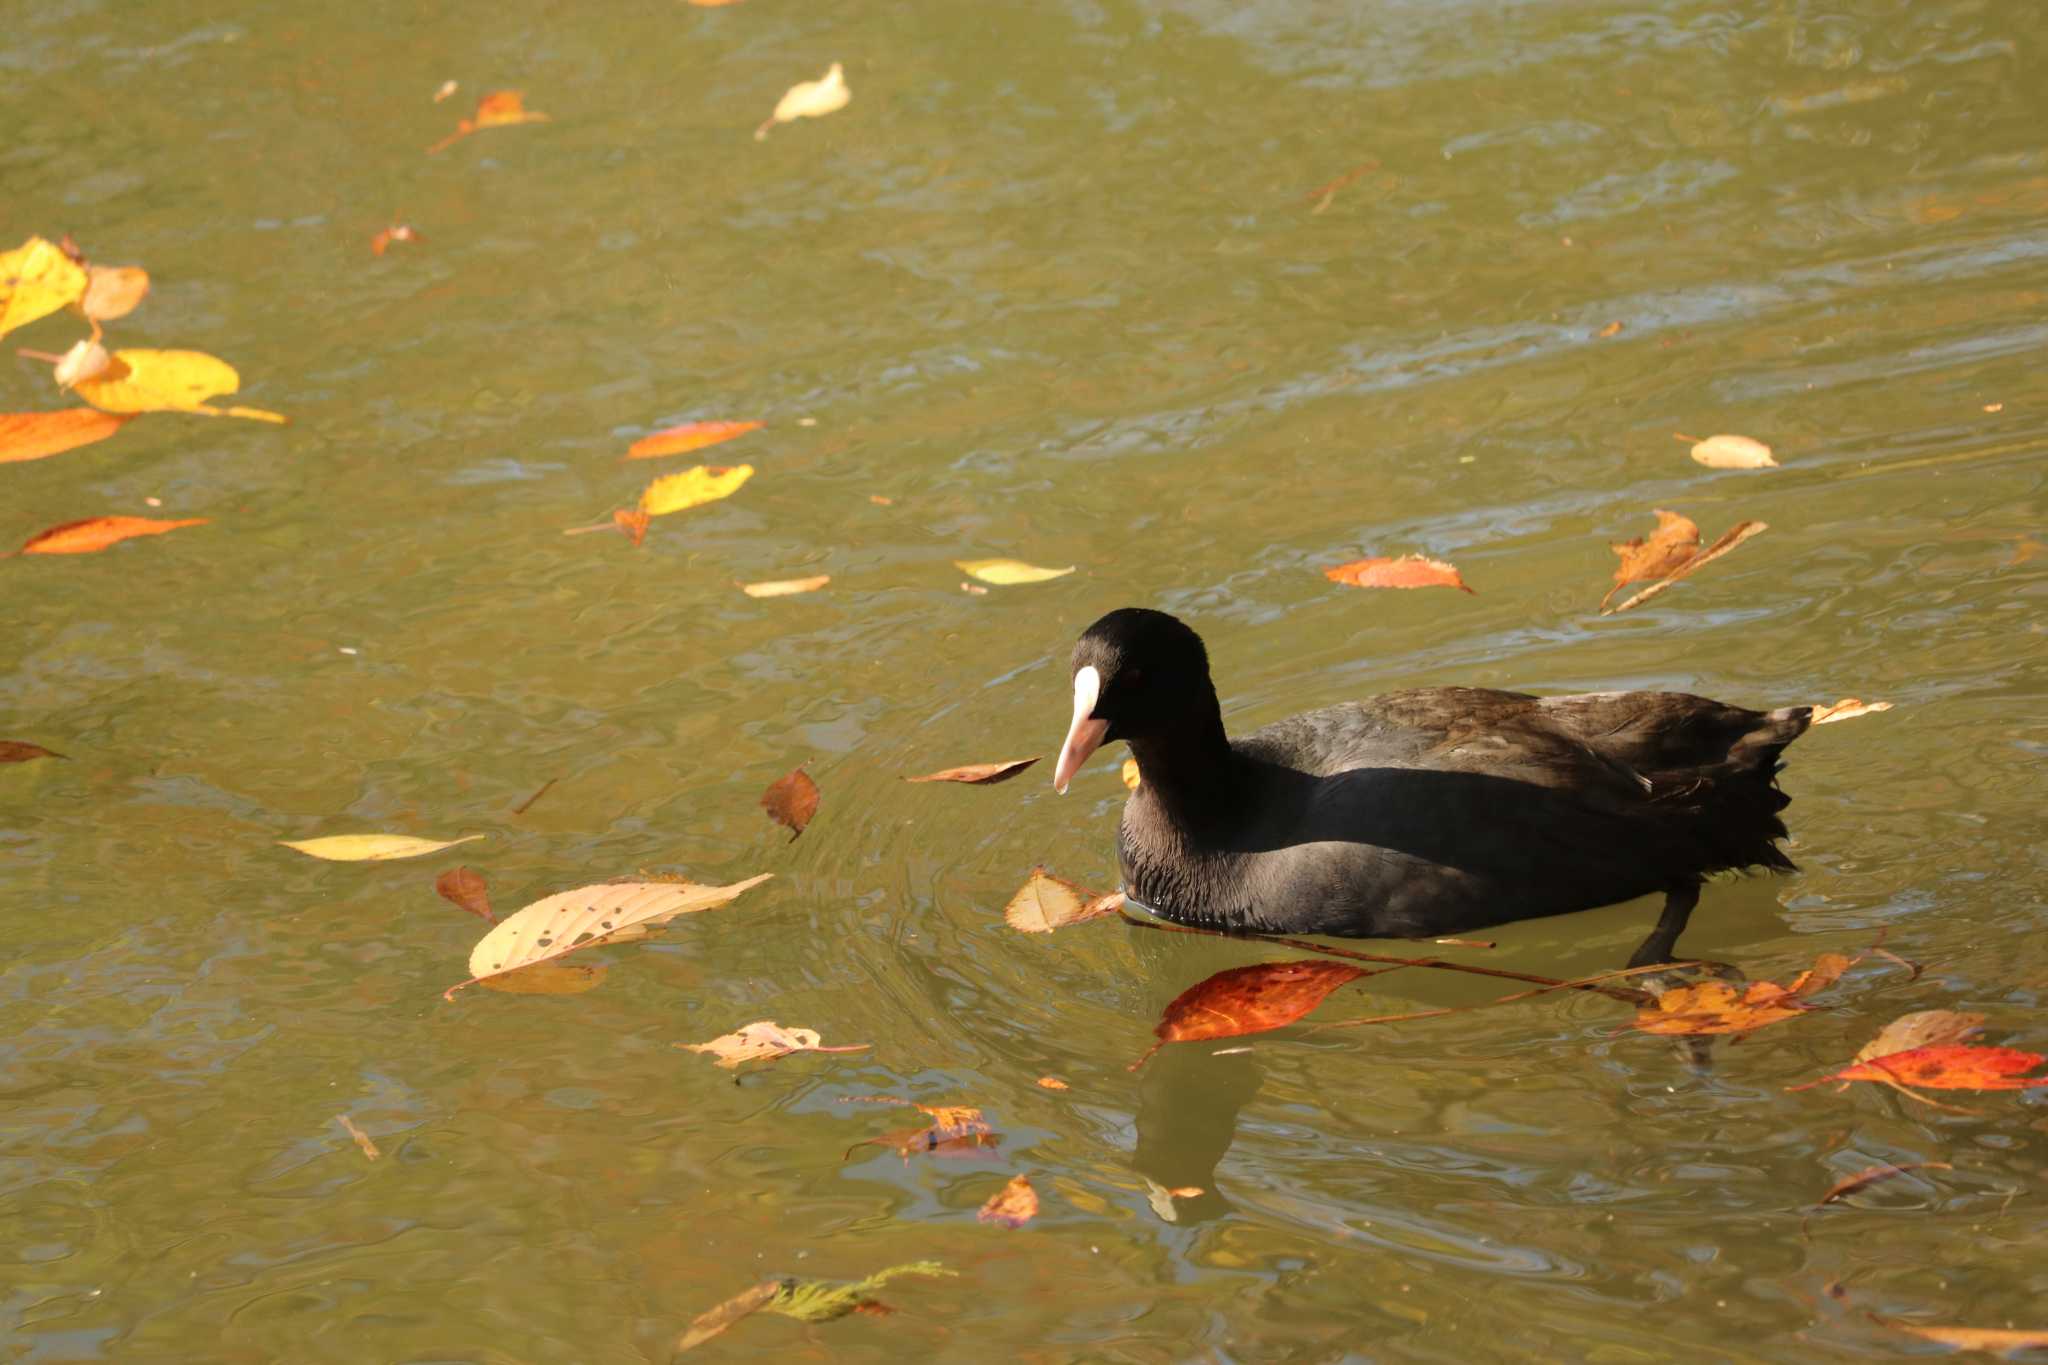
(1084, 735)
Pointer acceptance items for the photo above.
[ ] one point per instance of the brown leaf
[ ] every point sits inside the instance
(1848, 708)
(21, 751)
(978, 774)
(466, 888)
(1730, 538)
(1733, 452)
(1675, 540)
(1723, 1007)
(1870, 1175)
(1045, 903)
(765, 1040)
(1014, 1205)
(97, 533)
(1254, 999)
(33, 435)
(113, 291)
(792, 801)
(362, 1138)
(688, 436)
(633, 522)
(1409, 571)
(1921, 1028)
(955, 1130)
(712, 1321)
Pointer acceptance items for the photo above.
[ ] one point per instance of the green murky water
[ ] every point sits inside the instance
(1060, 284)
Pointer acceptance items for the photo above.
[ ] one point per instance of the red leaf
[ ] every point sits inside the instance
(1251, 999)
(792, 801)
(1409, 571)
(21, 751)
(1955, 1066)
(1014, 1205)
(688, 436)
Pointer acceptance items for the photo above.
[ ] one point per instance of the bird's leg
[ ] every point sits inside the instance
(1663, 940)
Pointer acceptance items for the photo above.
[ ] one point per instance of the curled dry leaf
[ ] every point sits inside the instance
(1014, 1205)
(786, 587)
(33, 435)
(1254, 999)
(1045, 903)
(633, 522)
(1921, 1028)
(362, 1138)
(607, 912)
(36, 279)
(97, 533)
(371, 848)
(113, 291)
(1699, 559)
(1870, 1175)
(791, 801)
(1848, 708)
(809, 99)
(1052, 1083)
(689, 436)
(21, 751)
(765, 1040)
(1408, 571)
(397, 232)
(978, 774)
(1733, 452)
(693, 488)
(499, 109)
(465, 887)
(1723, 1007)
(1006, 572)
(85, 360)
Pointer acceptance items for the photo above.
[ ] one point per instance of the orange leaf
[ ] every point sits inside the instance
(1254, 999)
(466, 888)
(397, 232)
(97, 533)
(633, 522)
(955, 1130)
(1953, 1066)
(1997, 1340)
(1409, 571)
(1730, 538)
(792, 801)
(32, 435)
(1052, 1083)
(113, 291)
(979, 774)
(1014, 1205)
(1676, 539)
(1045, 903)
(688, 436)
(498, 109)
(1722, 1007)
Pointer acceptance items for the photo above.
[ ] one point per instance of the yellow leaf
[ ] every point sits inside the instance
(36, 279)
(376, 848)
(1848, 708)
(1733, 452)
(784, 587)
(160, 381)
(1045, 903)
(1003, 572)
(809, 99)
(1130, 773)
(693, 487)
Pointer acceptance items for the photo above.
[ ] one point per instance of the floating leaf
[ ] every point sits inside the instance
(693, 488)
(36, 279)
(1722, 1007)
(791, 801)
(32, 435)
(978, 774)
(372, 848)
(689, 436)
(499, 109)
(1014, 1205)
(1921, 1028)
(548, 978)
(955, 1130)
(1045, 903)
(397, 232)
(607, 912)
(465, 887)
(1130, 773)
(2001, 1341)
(362, 1138)
(765, 1040)
(113, 291)
(809, 99)
(1612, 329)
(1953, 1066)
(21, 751)
(1408, 571)
(1004, 572)
(1733, 452)
(712, 1321)
(444, 90)
(1870, 1175)
(1848, 708)
(146, 380)
(633, 522)
(97, 533)
(1052, 1083)
(1254, 999)
(786, 587)
(1660, 557)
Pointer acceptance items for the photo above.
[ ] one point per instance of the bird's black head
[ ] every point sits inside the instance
(1137, 673)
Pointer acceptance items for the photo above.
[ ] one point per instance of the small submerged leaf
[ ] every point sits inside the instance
(785, 587)
(548, 978)
(21, 751)
(713, 1321)
(955, 1130)
(689, 436)
(765, 1040)
(978, 774)
(1007, 572)
(1045, 903)
(1870, 1175)
(693, 488)
(1254, 999)
(371, 848)
(1014, 1205)
(1408, 571)
(1733, 452)
(791, 801)
(94, 534)
(362, 1139)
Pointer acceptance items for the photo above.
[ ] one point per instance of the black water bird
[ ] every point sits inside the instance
(1420, 813)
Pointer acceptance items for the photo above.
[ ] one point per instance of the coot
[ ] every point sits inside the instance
(1420, 813)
